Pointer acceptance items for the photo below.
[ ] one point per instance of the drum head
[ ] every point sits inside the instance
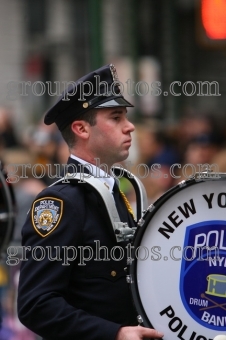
(178, 263)
(7, 205)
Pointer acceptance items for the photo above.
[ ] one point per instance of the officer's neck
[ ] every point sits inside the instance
(94, 160)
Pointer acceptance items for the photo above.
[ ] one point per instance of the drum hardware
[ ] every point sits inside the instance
(182, 183)
(141, 222)
(205, 173)
(202, 176)
(129, 261)
(129, 279)
(123, 231)
(151, 208)
(140, 319)
(4, 217)
(209, 175)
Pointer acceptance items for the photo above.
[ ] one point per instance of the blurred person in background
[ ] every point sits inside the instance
(18, 163)
(48, 148)
(12, 328)
(191, 124)
(7, 134)
(202, 148)
(199, 155)
(158, 153)
(158, 181)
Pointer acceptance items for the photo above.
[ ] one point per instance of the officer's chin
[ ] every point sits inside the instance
(123, 157)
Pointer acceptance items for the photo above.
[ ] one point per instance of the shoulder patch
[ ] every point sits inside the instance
(46, 215)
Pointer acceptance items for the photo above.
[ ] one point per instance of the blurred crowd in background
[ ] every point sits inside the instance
(197, 138)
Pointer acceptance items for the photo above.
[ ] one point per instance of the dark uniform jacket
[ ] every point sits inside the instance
(85, 298)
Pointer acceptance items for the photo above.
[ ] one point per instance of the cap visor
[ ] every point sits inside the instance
(115, 102)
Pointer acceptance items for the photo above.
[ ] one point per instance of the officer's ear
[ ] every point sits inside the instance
(80, 128)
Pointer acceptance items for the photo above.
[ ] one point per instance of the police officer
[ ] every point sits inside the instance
(87, 298)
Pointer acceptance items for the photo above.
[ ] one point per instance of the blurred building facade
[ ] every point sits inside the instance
(47, 41)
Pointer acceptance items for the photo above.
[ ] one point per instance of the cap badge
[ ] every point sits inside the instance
(114, 73)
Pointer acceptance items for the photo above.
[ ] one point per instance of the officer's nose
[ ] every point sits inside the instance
(130, 127)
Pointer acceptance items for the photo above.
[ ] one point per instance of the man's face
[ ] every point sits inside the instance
(110, 137)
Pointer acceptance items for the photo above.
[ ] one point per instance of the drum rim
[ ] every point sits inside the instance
(148, 215)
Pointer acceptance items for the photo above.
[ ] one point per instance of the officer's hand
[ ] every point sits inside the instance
(137, 333)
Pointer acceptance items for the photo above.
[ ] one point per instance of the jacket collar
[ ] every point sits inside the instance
(75, 166)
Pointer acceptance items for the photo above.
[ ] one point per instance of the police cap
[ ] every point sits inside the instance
(98, 89)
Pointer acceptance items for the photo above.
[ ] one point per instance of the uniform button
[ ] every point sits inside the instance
(113, 273)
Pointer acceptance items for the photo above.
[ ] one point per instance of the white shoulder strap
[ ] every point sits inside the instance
(122, 230)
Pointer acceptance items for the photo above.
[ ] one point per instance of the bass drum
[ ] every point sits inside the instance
(177, 270)
(7, 212)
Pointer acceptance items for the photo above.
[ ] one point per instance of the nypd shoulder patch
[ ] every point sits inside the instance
(46, 215)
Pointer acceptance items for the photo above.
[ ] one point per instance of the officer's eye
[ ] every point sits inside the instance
(116, 117)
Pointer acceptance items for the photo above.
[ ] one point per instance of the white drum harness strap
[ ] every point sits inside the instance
(122, 231)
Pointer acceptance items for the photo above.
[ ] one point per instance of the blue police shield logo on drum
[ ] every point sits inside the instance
(203, 274)
(46, 215)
